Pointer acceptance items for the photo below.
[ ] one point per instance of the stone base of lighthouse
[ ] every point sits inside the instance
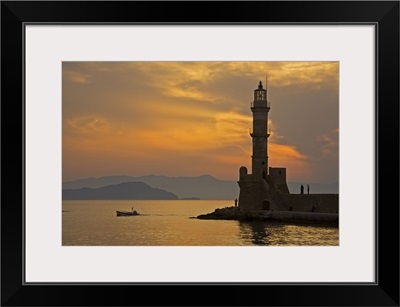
(268, 193)
(253, 196)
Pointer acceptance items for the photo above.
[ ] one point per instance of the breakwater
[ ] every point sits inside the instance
(234, 213)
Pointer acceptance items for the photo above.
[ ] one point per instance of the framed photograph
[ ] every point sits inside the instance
(253, 149)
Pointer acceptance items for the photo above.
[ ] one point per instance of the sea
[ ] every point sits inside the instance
(173, 223)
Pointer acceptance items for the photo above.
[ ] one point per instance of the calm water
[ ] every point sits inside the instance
(168, 223)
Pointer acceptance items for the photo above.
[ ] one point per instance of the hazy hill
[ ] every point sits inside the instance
(203, 187)
(122, 191)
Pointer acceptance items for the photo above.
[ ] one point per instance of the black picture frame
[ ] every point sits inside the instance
(383, 14)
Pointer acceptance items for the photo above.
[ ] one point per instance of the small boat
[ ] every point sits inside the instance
(127, 213)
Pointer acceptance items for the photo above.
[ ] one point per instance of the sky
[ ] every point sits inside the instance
(194, 118)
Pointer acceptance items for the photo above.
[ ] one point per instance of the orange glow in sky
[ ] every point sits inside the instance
(193, 118)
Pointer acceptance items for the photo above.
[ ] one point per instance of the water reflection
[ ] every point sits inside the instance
(254, 232)
(275, 233)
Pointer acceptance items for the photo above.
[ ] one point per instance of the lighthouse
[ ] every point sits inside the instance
(265, 188)
(260, 109)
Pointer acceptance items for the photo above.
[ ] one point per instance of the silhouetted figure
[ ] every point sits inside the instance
(313, 209)
(308, 189)
(236, 202)
(301, 189)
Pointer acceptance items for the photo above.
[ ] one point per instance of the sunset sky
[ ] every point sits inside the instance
(193, 118)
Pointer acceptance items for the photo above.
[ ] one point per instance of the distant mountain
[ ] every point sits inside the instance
(98, 182)
(122, 191)
(204, 187)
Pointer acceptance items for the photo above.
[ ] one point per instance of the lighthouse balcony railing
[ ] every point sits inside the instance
(260, 104)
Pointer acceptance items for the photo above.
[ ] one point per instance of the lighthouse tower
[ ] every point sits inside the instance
(260, 108)
(265, 188)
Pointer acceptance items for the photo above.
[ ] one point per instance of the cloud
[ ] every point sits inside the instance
(330, 144)
(87, 125)
(77, 77)
(197, 80)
